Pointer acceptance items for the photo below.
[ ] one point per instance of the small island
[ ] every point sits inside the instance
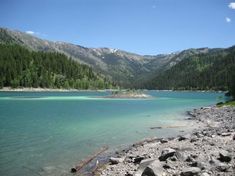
(128, 94)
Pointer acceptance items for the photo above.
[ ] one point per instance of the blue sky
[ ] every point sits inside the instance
(140, 26)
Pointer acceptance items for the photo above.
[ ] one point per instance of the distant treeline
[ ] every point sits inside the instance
(208, 71)
(20, 67)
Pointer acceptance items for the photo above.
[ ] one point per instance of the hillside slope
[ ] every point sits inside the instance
(127, 69)
(214, 70)
(20, 67)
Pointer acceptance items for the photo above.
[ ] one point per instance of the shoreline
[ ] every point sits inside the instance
(206, 150)
(31, 89)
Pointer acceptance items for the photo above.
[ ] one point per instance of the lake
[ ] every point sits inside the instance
(46, 133)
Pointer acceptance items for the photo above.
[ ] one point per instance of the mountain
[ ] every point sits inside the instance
(20, 67)
(126, 69)
(213, 70)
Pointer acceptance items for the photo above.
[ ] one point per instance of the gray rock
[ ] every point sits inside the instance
(222, 167)
(138, 159)
(163, 140)
(187, 136)
(224, 156)
(205, 174)
(193, 139)
(199, 135)
(166, 166)
(166, 153)
(180, 155)
(116, 160)
(201, 165)
(225, 134)
(154, 169)
(190, 171)
(189, 159)
(219, 166)
(128, 174)
(150, 167)
(173, 158)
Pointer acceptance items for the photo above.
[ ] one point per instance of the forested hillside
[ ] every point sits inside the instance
(20, 67)
(126, 69)
(43, 66)
(214, 70)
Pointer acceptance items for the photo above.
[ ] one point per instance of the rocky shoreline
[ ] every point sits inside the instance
(208, 150)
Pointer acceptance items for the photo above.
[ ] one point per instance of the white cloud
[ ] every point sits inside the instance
(228, 20)
(232, 5)
(35, 33)
(30, 32)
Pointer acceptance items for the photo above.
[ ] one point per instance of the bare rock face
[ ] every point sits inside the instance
(166, 153)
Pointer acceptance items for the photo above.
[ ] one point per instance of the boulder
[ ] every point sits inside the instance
(166, 153)
(222, 167)
(193, 139)
(181, 138)
(225, 134)
(173, 158)
(189, 159)
(224, 156)
(163, 140)
(138, 159)
(128, 174)
(152, 168)
(201, 165)
(113, 160)
(190, 171)
(219, 166)
(180, 155)
(205, 174)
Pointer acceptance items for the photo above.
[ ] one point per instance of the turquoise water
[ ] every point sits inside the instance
(46, 133)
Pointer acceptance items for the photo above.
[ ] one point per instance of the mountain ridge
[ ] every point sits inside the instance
(127, 69)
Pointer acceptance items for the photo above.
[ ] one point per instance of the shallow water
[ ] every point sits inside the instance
(47, 133)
